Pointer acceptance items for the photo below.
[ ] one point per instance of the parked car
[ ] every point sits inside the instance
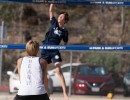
(14, 82)
(66, 73)
(126, 83)
(92, 79)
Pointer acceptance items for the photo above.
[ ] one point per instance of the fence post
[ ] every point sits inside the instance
(1, 51)
(70, 72)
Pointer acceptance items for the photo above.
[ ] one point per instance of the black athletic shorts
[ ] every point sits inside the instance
(32, 97)
(51, 56)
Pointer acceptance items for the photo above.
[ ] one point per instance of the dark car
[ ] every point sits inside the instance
(92, 79)
(126, 83)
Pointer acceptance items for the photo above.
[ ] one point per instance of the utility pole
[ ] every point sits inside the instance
(1, 51)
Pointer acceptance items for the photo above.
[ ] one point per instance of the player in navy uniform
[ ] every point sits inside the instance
(56, 33)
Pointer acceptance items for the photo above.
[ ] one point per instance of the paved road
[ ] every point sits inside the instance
(59, 96)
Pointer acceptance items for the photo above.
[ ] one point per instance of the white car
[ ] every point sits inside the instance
(14, 82)
(66, 73)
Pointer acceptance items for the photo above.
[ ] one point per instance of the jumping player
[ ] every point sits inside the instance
(55, 34)
(32, 72)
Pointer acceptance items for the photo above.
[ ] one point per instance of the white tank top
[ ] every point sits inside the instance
(31, 77)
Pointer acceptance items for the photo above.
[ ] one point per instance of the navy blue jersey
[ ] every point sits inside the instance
(55, 34)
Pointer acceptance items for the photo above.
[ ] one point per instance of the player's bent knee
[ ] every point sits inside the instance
(57, 64)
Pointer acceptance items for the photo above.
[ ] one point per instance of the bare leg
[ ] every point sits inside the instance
(62, 80)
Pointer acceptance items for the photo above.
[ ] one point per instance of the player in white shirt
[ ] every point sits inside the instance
(32, 72)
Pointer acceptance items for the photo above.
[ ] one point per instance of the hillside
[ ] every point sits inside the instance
(90, 25)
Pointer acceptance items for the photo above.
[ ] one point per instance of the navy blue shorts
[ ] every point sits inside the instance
(32, 97)
(51, 56)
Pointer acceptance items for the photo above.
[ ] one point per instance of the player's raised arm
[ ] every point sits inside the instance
(51, 11)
